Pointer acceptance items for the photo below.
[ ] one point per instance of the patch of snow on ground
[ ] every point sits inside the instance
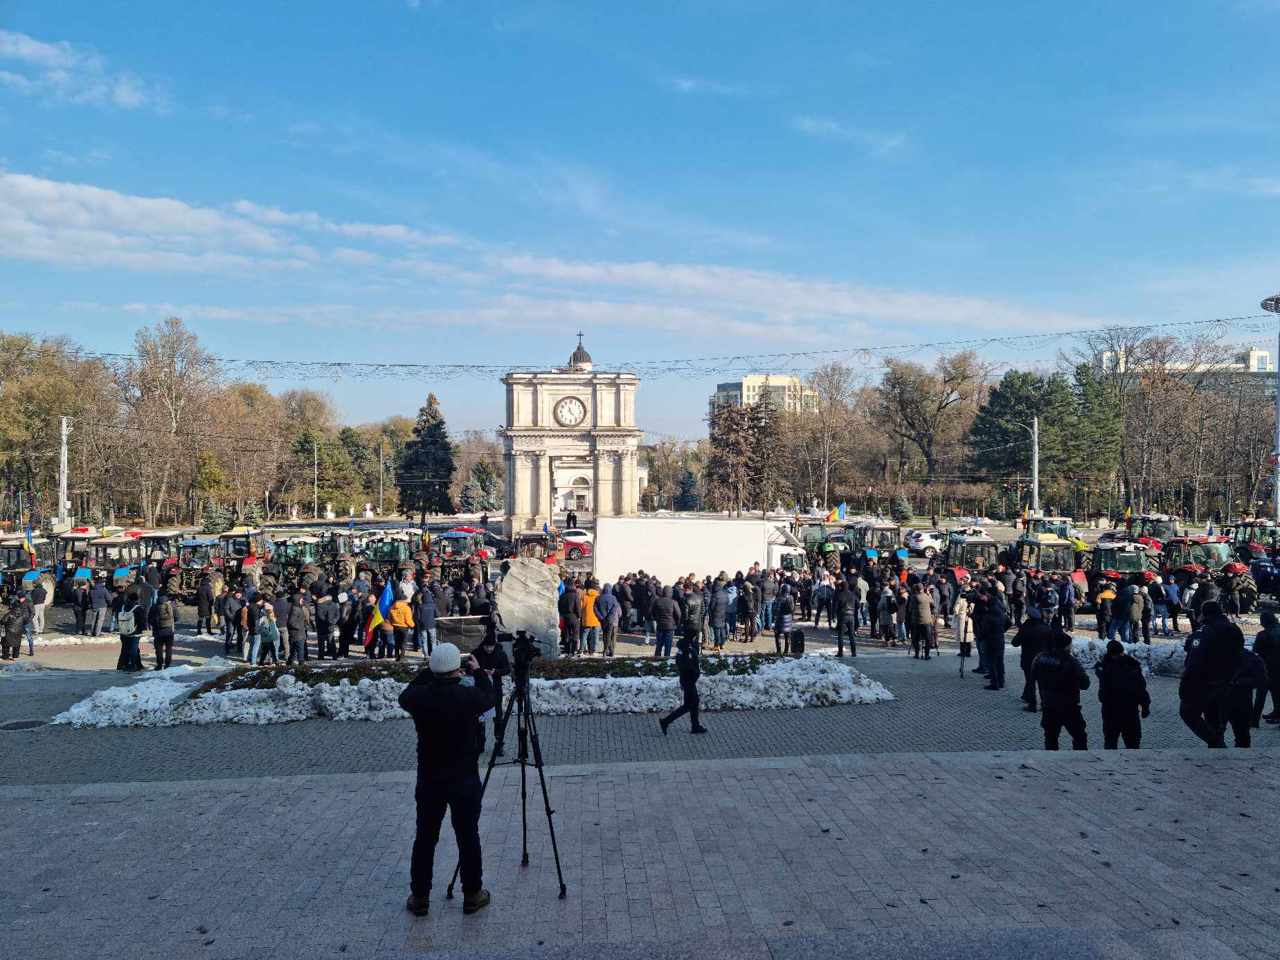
(162, 701)
(20, 666)
(1160, 659)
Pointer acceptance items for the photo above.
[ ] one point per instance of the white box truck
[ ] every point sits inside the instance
(671, 546)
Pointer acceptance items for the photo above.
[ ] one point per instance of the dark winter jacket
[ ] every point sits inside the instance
(664, 611)
(607, 604)
(694, 612)
(299, 619)
(1121, 685)
(569, 606)
(687, 663)
(204, 599)
(446, 715)
(99, 597)
(1060, 678)
(1267, 646)
(164, 618)
(846, 604)
(1033, 637)
(718, 608)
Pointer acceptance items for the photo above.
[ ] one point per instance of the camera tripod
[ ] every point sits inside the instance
(526, 736)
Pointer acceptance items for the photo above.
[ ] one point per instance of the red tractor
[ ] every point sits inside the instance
(1185, 558)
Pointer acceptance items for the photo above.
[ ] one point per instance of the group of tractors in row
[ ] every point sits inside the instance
(1242, 556)
(272, 560)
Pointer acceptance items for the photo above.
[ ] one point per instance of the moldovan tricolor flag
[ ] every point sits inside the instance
(831, 517)
(28, 544)
(380, 611)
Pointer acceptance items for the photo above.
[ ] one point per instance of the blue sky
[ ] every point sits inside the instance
(472, 182)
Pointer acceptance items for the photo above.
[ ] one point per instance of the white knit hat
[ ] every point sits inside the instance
(445, 658)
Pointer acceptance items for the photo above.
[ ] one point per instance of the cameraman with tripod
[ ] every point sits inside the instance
(446, 714)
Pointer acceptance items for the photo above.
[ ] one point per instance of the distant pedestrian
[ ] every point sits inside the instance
(130, 628)
(1267, 646)
(164, 625)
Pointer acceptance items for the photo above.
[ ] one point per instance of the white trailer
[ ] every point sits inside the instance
(672, 546)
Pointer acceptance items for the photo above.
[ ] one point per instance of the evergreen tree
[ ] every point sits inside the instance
(999, 444)
(688, 498)
(764, 465)
(486, 478)
(901, 509)
(252, 516)
(728, 469)
(217, 519)
(427, 467)
(472, 498)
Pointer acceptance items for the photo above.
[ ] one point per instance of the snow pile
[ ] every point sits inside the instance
(1160, 659)
(778, 685)
(784, 684)
(20, 666)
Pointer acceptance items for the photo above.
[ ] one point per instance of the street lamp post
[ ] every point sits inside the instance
(1034, 430)
(1272, 305)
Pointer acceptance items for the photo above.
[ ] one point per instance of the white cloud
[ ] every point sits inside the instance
(825, 128)
(67, 73)
(306, 220)
(685, 83)
(789, 299)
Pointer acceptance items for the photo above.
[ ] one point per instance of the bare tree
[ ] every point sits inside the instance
(929, 408)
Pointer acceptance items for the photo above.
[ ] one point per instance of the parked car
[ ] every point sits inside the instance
(577, 543)
(926, 543)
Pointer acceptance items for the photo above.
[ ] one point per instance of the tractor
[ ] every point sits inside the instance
(969, 551)
(337, 553)
(296, 563)
(547, 547)
(1149, 529)
(875, 541)
(462, 550)
(1047, 553)
(21, 570)
(1252, 539)
(812, 534)
(74, 557)
(388, 554)
(1059, 527)
(1121, 563)
(197, 558)
(1185, 558)
(245, 553)
(118, 559)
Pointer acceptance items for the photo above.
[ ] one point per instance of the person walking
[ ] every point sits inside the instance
(1173, 600)
(1060, 678)
(1033, 638)
(1122, 690)
(694, 615)
(689, 670)
(1267, 646)
(446, 717)
(164, 625)
(1210, 694)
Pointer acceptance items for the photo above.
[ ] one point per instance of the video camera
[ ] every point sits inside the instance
(523, 652)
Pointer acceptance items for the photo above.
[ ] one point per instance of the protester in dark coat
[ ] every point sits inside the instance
(326, 617)
(570, 610)
(299, 619)
(495, 663)
(665, 615)
(1060, 678)
(846, 606)
(990, 630)
(1033, 638)
(1122, 689)
(164, 624)
(687, 665)
(1209, 701)
(1267, 646)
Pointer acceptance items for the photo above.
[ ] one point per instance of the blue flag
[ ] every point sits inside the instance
(385, 601)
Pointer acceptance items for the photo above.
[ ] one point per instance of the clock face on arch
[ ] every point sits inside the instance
(570, 412)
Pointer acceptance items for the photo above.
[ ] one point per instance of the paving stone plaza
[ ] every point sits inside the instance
(927, 826)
